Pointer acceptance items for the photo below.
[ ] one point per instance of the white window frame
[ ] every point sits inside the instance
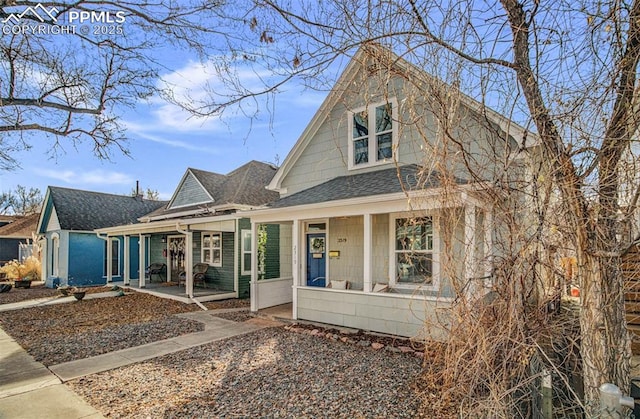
(435, 252)
(211, 248)
(109, 242)
(243, 252)
(373, 143)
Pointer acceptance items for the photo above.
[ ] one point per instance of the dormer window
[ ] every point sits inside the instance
(373, 135)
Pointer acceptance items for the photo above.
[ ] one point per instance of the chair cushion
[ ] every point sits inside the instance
(339, 285)
(379, 287)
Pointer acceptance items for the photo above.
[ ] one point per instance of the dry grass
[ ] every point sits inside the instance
(493, 361)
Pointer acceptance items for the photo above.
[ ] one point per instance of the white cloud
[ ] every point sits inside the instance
(200, 85)
(92, 177)
(146, 132)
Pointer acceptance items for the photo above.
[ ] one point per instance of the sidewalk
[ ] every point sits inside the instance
(29, 390)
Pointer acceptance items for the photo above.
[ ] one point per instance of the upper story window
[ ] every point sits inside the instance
(373, 134)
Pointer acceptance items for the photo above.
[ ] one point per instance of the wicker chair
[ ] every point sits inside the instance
(159, 269)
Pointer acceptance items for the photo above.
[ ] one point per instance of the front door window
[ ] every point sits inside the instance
(316, 261)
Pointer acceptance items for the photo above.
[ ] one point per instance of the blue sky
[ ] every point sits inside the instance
(165, 140)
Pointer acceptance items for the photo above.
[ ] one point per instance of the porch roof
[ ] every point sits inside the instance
(381, 182)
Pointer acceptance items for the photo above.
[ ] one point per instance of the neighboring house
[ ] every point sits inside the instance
(201, 225)
(6, 219)
(72, 253)
(16, 236)
(376, 230)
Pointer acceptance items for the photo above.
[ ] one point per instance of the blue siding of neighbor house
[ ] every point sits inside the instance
(86, 259)
(134, 257)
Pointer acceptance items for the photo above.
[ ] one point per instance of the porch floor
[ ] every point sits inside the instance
(174, 292)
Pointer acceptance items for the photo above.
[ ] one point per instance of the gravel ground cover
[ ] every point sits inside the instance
(232, 303)
(22, 294)
(237, 316)
(63, 332)
(296, 370)
(274, 373)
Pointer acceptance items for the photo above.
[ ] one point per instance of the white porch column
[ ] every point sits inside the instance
(237, 243)
(141, 260)
(295, 269)
(469, 250)
(188, 262)
(44, 265)
(368, 252)
(127, 261)
(254, 266)
(109, 260)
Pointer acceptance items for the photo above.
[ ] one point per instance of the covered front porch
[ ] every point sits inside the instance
(386, 264)
(187, 259)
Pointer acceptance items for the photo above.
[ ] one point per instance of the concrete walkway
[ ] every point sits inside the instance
(29, 390)
(54, 300)
(215, 329)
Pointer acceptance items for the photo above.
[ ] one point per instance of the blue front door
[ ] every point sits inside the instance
(316, 262)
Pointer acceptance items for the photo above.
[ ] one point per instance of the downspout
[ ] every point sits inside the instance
(189, 264)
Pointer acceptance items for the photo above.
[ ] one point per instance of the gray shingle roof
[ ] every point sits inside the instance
(244, 186)
(380, 182)
(23, 226)
(86, 210)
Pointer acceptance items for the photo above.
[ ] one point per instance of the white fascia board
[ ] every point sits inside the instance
(139, 228)
(177, 215)
(163, 225)
(173, 215)
(377, 204)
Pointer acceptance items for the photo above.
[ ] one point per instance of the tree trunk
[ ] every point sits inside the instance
(605, 344)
